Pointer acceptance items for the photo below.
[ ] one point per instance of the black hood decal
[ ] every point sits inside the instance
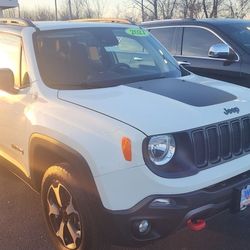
(185, 91)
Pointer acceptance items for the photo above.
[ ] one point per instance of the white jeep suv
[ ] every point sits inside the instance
(124, 145)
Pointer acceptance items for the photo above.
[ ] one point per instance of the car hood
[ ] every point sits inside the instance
(165, 105)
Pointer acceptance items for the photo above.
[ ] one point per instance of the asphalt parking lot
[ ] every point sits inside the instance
(22, 226)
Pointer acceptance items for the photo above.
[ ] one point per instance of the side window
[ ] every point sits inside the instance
(166, 37)
(197, 42)
(10, 49)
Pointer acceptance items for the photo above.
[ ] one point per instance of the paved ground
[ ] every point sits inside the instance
(22, 226)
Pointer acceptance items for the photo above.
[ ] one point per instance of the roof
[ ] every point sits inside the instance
(190, 21)
(16, 30)
(16, 25)
(52, 25)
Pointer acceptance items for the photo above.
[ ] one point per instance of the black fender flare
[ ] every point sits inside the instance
(45, 151)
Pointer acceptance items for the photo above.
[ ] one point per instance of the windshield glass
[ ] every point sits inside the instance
(239, 32)
(101, 57)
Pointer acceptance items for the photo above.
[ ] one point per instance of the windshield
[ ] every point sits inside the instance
(101, 57)
(239, 32)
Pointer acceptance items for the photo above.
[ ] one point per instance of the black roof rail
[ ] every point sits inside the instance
(17, 22)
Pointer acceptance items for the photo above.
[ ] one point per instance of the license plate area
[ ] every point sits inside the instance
(241, 198)
(245, 198)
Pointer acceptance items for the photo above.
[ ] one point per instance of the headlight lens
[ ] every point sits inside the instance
(161, 149)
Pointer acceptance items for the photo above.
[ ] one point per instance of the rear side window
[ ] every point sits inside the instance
(197, 42)
(166, 37)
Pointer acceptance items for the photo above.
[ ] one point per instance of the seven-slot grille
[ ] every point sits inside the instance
(220, 142)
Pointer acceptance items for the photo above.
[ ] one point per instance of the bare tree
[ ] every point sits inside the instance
(237, 9)
(99, 7)
(155, 9)
(149, 8)
(128, 11)
(191, 8)
(167, 8)
(154, 4)
(87, 8)
(41, 14)
(64, 13)
(10, 13)
(84, 8)
(75, 9)
(211, 8)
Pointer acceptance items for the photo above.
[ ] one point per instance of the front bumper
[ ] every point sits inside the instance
(200, 204)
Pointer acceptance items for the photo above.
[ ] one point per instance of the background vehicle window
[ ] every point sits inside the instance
(10, 49)
(239, 32)
(197, 42)
(129, 45)
(166, 37)
(132, 53)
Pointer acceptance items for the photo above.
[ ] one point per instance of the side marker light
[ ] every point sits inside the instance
(127, 148)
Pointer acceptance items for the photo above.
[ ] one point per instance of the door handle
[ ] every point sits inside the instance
(138, 59)
(184, 63)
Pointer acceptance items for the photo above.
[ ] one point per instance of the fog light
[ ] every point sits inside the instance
(144, 226)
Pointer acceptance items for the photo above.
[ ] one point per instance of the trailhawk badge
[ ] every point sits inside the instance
(231, 111)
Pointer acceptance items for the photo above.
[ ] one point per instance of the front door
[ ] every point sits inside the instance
(196, 44)
(13, 112)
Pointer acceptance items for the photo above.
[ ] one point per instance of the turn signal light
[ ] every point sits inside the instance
(127, 148)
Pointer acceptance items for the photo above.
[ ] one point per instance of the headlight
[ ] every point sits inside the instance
(161, 149)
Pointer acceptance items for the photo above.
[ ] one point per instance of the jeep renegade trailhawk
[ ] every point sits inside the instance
(124, 145)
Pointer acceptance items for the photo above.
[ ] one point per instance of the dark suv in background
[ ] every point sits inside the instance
(215, 48)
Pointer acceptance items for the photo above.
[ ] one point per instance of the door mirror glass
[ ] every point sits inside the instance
(223, 51)
(7, 81)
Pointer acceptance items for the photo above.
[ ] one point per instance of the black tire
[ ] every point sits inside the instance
(69, 214)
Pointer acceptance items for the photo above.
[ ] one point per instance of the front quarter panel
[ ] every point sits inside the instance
(95, 136)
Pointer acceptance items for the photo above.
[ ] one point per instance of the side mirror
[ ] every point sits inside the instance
(223, 51)
(7, 81)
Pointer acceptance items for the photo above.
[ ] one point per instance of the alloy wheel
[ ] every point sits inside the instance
(64, 216)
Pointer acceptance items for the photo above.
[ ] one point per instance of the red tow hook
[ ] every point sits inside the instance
(196, 225)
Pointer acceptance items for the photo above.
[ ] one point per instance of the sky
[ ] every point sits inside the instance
(110, 5)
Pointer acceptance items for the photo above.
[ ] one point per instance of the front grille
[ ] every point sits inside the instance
(220, 142)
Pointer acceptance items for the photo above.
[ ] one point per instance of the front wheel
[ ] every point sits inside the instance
(68, 211)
